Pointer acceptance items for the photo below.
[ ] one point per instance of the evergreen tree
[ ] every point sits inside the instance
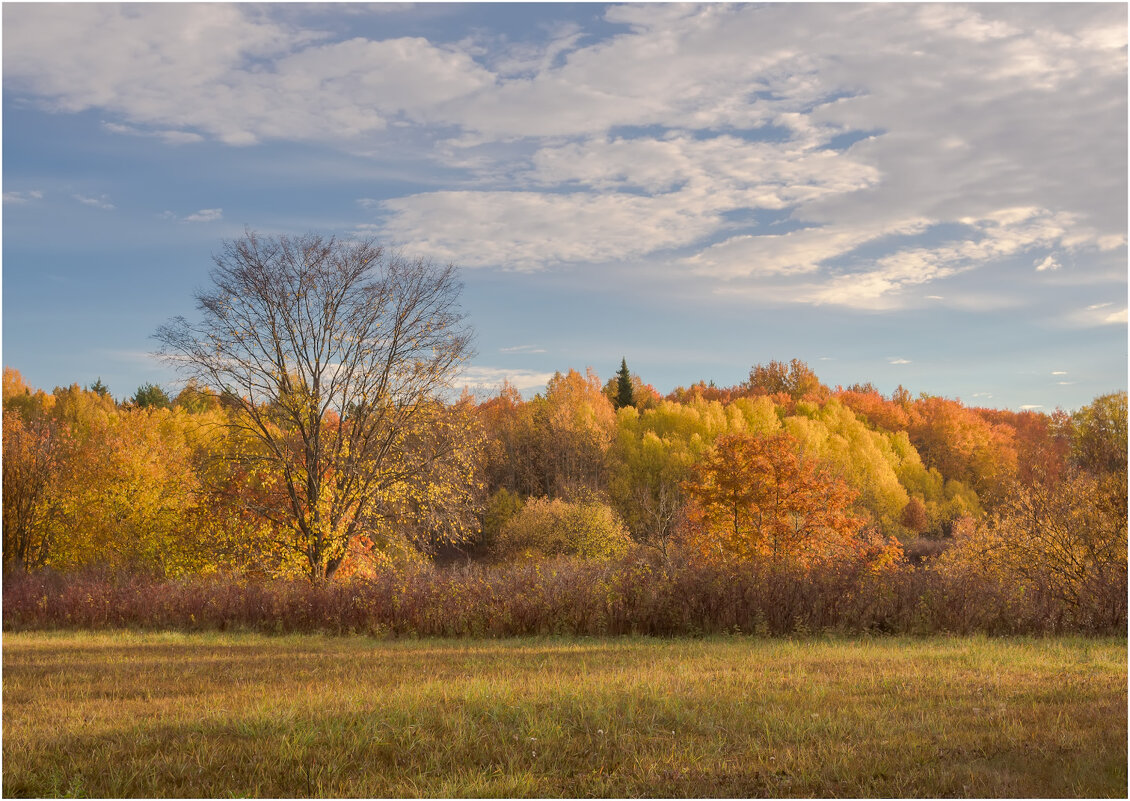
(623, 386)
(151, 395)
(99, 388)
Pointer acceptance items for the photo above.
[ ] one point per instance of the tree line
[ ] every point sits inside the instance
(315, 435)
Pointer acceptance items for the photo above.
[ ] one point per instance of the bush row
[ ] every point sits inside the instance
(566, 596)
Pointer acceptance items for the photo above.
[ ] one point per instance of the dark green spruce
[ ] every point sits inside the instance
(623, 386)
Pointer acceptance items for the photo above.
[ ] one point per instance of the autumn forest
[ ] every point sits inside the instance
(316, 442)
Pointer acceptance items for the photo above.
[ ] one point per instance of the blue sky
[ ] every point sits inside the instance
(931, 195)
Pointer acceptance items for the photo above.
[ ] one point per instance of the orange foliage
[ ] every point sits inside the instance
(875, 409)
(1040, 441)
(1068, 542)
(964, 446)
(704, 392)
(795, 380)
(644, 396)
(914, 516)
(757, 497)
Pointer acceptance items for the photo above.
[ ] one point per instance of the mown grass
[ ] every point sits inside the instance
(209, 714)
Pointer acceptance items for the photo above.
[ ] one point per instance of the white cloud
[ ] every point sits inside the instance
(100, 202)
(898, 361)
(948, 106)
(532, 230)
(657, 74)
(796, 252)
(524, 60)
(1059, 372)
(26, 196)
(689, 185)
(226, 71)
(1027, 407)
(522, 349)
(881, 283)
(735, 173)
(488, 378)
(205, 215)
(172, 137)
(1095, 315)
(138, 357)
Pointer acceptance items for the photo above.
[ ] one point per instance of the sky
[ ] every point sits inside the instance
(926, 195)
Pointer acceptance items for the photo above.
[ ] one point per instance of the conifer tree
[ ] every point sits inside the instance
(623, 386)
(151, 396)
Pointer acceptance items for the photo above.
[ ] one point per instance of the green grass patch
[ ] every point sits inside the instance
(123, 714)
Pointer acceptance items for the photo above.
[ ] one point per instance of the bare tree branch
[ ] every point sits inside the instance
(328, 355)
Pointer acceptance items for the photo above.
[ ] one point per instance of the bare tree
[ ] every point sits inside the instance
(330, 355)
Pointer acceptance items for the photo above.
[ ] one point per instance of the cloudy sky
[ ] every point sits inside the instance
(931, 195)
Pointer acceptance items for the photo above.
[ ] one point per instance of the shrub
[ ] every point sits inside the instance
(566, 595)
(1066, 544)
(502, 506)
(543, 527)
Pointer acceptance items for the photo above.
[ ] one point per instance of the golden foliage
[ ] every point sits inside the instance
(1068, 541)
(544, 527)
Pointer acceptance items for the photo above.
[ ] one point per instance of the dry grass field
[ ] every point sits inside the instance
(121, 714)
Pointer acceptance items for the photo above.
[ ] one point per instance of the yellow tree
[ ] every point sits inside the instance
(795, 379)
(654, 450)
(516, 458)
(128, 486)
(328, 355)
(648, 474)
(33, 458)
(436, 506)
(581, 422)
(581, 527)
(1099, 435)
(88, 482)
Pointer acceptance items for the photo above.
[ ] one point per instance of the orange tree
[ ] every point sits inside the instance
(758, 497)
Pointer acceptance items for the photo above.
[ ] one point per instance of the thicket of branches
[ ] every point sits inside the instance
(570, 596)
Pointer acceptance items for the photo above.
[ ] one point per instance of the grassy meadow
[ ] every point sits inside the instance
(219, 714)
